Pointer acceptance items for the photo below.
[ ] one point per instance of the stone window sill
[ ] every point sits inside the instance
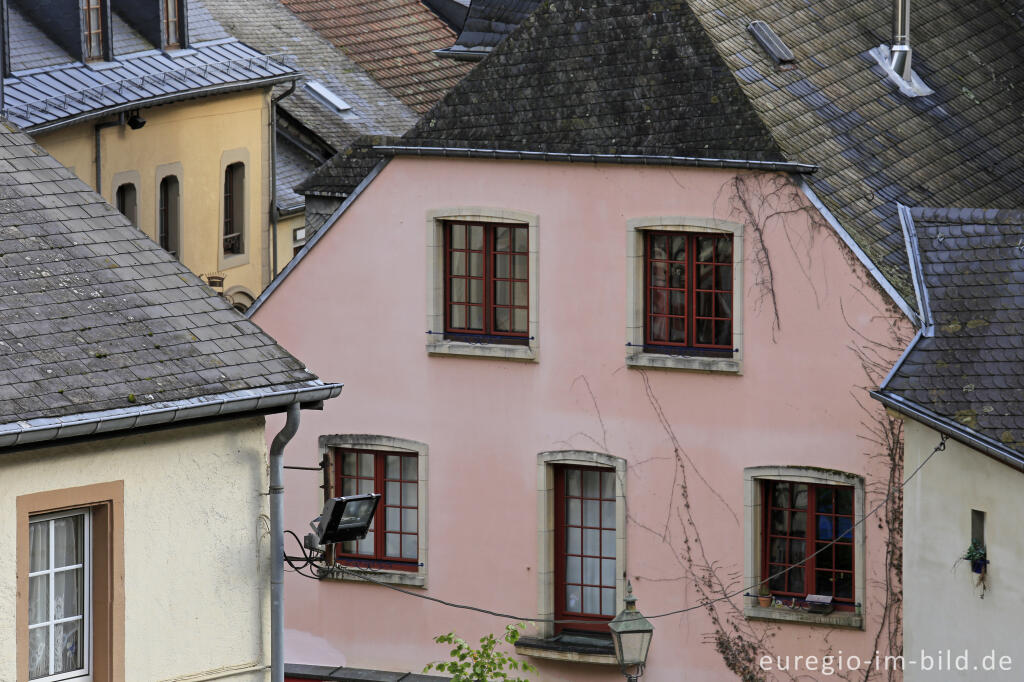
(406, 578)
(583, 648)
(483, 350)
(839, 619)
(685, 362)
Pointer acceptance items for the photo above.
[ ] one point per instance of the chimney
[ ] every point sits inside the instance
(900, 50)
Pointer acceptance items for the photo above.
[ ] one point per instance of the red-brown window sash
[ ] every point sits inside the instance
(490, 278)
(93, 11)
(823, 565)
(590, 621)
(671, 299)
(172, 37)
(379, 557)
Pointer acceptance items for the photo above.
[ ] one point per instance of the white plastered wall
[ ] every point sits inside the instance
(196, 545)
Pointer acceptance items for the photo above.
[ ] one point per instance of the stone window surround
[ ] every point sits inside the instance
(635, 354)
(436, 343)
(228, 157)
(385, 443)
(128, 177)
(752, 531)
(546, 461)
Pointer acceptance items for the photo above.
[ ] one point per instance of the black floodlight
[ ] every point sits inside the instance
(346, 518)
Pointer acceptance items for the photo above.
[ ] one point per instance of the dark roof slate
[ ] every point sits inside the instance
(972, 370)
(961, 146)
(489, 22)
(95, 316)
(343, 172)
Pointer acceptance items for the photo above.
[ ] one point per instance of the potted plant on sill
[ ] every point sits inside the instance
(764, 596)
(977, 555)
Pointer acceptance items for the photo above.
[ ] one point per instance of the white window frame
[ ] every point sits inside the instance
(437, 344)
(327, 443)
(82, 674)
(753, 478)
(636, 356)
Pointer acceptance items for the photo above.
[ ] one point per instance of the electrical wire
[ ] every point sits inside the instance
(365, 574)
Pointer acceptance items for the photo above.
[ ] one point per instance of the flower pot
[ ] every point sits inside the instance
(764, 602)
(979, 565)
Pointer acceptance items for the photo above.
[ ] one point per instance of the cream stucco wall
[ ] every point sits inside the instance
(196, 553)
(355, 311)
(196, 140)
(286, 227)
(942, 605)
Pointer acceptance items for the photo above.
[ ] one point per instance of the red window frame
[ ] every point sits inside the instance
(487, 275)
(785, 544)
(93, 30)
(688, 292)
(172, 36)
(398, 510)
(571, 581)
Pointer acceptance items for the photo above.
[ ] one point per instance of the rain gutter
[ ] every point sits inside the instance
(952, 429)
(635, 159)
(235, 403)
(156, 101)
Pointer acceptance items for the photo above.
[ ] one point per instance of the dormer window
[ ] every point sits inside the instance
(171, 24)
(93, 29)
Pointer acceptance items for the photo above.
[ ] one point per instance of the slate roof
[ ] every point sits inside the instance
(972, 370)
(962, 146)
(95, 316)
(49, 88)
(489, 22)
(393, 40)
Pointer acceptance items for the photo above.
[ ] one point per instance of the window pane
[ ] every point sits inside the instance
(608, 514)
(520, 236)
(591, 484)
(798, 524)
(608, 543)
(705, 249)
(573, 512)
(393, 544)
(67, 593)
(778, 522)
(410, 519)
(608, 602)
(501, 267)
(39, 546)
(591, 513)
(780, 495)
(572, 482)
(591, 542)
(476, 264)
(348, 486)
(476, 317)
(844, 501)
(844, 528)
(844, 557)
(519, 321)
(723, 333)
(705, 276)
(608, 572)
(366, 464)
(723, 304)
(519, 292)
(592, 571)
(677, 303)
(457, 316)
(659, 274)
(476, 291)
(797, 551)
(409, 469)
(796, 580)
(366, 486)
(704, 331)
(800, 496)
(824, 528)
(409, 546)
(592, 600)
(458, 289)
(724, 248)
(723, 278)
(393, 466)
(572, 569)
(824, 560)
(678, 276)
(348, 464)
(572, 540)
(705, 305)
(458, 236)
(824, 501)
(844, 585)
(502, 319)
(409, 494)
(38, 599)
(502, 239)
(608, 485)
(777, 550)
(678, 245)
(458, 263)
(38, 652)
(777, 582)
(519, 267)
(476, 237)
(823, 583)
(572, 598)
(366, 544)
(501, 293)
(394, 519)
(393, 493)
(67, 640)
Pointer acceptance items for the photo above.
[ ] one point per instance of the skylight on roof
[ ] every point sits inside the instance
(327, 98)
(771, 43)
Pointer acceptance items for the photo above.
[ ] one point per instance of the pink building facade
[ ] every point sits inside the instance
(535, 466)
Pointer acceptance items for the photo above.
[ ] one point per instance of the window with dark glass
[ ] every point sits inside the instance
(93, 28)
(234, 209)
(127, 202)
(688, 292)
(486, 282)
(169, 230)
(172, 37)
(799, 520)
(585, 546)
(393, 540)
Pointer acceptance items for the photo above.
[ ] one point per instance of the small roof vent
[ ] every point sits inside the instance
(327, 98)
(771, 43)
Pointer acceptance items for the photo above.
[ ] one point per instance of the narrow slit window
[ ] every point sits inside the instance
(169, 218)
(172, 30)
(93, 29)
(127, 202)
(234, 209)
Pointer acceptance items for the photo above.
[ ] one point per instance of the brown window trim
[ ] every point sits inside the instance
(106, 502)
(88, 30)
(171, 28)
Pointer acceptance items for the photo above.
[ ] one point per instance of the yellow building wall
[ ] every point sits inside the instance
(196, 140)
(286, 227)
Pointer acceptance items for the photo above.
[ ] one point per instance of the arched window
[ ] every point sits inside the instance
(234, 209)
(170, 219)
(127, 202)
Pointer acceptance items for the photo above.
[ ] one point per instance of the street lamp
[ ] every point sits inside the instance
(631, 634)
(346, 518)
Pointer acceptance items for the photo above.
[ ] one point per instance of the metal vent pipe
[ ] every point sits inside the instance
(900, 51)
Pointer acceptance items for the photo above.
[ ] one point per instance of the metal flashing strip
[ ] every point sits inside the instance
(952, 429)
(886, 285)
(294, 262)
(107, 421)
(916, 272)
(899, 363)
(641, 159)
